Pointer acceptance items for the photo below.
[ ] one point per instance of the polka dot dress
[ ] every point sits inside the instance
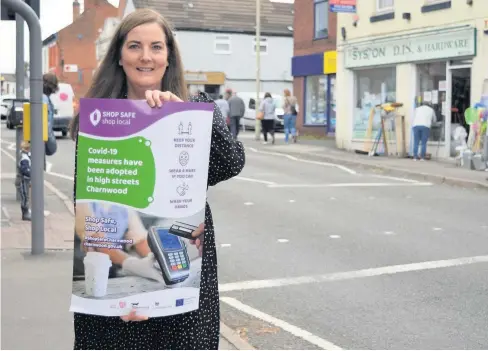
(197, 330)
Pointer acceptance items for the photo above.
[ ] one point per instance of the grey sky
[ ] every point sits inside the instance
(55, 15)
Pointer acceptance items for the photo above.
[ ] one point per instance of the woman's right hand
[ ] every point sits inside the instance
(133, 317)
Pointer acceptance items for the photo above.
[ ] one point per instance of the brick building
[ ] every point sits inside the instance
(314, 66)
(70, 53)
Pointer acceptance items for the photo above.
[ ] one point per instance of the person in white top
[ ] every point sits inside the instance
(422, 121)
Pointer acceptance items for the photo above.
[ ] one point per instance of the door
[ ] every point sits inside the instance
(458, 99)
(331, 104)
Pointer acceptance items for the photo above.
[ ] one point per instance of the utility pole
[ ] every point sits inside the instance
(19, 88)
(257, 48)
(37, 142)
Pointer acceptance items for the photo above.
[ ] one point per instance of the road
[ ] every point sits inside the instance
(318, 256)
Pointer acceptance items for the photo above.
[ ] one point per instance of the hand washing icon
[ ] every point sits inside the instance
(182, 189)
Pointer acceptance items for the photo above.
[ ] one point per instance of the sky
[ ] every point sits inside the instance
(55, 15)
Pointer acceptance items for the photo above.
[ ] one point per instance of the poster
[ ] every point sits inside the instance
(141, 188)
(442, 85)
(435, 97)
(427, 96)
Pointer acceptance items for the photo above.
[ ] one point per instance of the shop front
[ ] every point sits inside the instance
(314, 86)
(438, 66)
(209, 82)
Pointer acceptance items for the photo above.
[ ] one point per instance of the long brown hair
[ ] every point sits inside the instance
(110, 81)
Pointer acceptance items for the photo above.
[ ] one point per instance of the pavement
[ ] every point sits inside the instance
(440, 171)
(312, 254)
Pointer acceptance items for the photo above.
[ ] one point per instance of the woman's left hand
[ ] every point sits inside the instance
(156, 98)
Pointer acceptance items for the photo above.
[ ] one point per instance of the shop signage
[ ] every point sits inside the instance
(195, 77)
(432, 46)
(330, 62)
(485, 30)
(348, 6)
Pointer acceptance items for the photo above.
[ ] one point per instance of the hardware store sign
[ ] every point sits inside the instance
(440, 45)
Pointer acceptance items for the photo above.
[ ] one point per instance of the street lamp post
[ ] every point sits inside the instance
(257, 49)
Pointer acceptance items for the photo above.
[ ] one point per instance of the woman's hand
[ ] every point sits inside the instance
(133, 317)
(198, 235)
(157, 98)
(142, 267)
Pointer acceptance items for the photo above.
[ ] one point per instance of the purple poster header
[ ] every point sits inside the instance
(108, 117)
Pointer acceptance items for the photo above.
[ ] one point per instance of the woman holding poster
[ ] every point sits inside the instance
(143, 63)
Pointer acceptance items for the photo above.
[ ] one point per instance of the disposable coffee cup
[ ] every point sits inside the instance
(97, 265)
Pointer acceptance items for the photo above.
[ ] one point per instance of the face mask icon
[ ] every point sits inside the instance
(95, 117)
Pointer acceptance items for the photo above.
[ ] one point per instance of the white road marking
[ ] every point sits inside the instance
(291, 201)
(46, 213)
(395, 178)
(371, 198)
(283, 240)
(347, 185)
(8, 155)
(293, 158)
(332, 198)
(436, 229)
(225, 245)
(389, 233)
(68, 203)
(334, 236)
(59, 175)
(363, 273)
(294, 330)
(12, 147)
(254, 180)
(248, 203)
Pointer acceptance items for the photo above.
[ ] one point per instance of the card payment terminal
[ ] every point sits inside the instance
(171, 255)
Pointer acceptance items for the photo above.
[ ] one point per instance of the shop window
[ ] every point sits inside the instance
(385, 5)
(222, 44)
(373, 87)
(321, 23)
(316, 100)
(431, 89)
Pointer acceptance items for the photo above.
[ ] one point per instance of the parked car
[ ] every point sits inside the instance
(15, 110)
(63, 102)
(5, 104)
(249, 119)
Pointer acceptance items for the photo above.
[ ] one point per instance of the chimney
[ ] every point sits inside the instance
(76, 10)
(123, 4)
(90, 4)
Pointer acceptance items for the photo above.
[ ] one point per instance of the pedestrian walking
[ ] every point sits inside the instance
(423, 118)
(237, 109)
(143, 62)
(268, 109)
(290, 116)
(223, 104)
(50, 85)
(24, 171)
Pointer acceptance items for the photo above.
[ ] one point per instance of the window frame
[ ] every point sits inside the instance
(315, 4)
(380, 9)
(222, 39)
(263, 42)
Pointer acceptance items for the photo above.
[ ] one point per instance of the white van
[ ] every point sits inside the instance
(63, 101)
(249, 119)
